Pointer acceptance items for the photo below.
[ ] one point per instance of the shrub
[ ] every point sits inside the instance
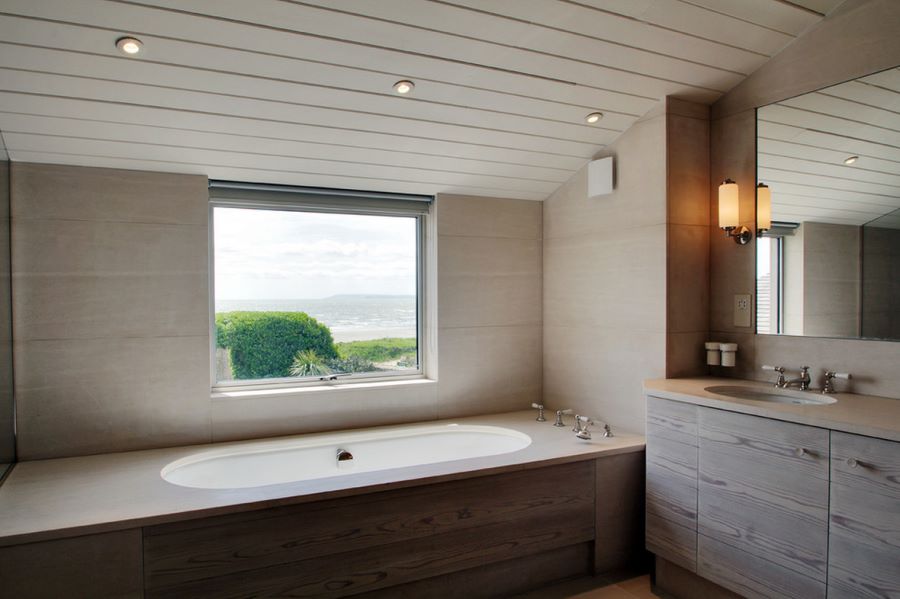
(264, 344)
(378, 350)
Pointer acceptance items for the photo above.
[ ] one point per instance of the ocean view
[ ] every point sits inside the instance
(350, 317)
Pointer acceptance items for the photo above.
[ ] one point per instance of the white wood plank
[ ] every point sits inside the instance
(145, 134)
(865, 93)
(822, 181)
(90, 147)
(141, 95)
(309, 20)
(771, 14)
(818, 191)
(799, 202)
(828, 124)
(776, 147)
(261, 176)
(699, 22)
(889, 79)
(846, 146)
(199, 121)
(67, 63)
(830, 170)
(621, 30)
(281, 48)
(822, 7)
(217, 67)
(516, 33)
(885, 115)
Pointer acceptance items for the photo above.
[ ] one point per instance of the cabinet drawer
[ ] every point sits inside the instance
(672, 420)
(864, 540)
(763, 490)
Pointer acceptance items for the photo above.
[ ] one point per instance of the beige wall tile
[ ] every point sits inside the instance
(687, 275)
(490, 300)
(84, 396)
(616, 279)
(640, 187)
(600, 372)
(488, 217)
(331, 409)
(52, 191)
(75, 306)
(685, 354)
(488, 369)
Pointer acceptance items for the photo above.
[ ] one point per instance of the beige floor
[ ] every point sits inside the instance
(587, 588)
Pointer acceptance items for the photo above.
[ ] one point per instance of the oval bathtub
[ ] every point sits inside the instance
(259, 463)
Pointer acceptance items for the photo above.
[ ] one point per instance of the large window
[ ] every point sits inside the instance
(314, 285)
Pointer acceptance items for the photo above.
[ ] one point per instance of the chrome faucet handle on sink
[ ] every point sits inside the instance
(540, 408)
(830, 375)
(559, 415)
(581, 428)
(780, 383)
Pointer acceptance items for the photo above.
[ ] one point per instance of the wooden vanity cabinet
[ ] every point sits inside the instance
(671, 520)
(864, 523)
(762, 505)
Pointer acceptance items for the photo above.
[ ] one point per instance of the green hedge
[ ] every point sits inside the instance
(378, 350)
(263, 344)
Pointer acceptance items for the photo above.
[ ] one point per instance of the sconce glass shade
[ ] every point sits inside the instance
(729, 203)
(763, 207)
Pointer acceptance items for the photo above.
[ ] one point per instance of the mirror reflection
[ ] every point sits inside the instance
(830, 264)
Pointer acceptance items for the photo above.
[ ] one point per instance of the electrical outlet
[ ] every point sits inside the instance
(742, 304)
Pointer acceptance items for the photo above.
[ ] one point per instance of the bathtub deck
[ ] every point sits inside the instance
(67, 497)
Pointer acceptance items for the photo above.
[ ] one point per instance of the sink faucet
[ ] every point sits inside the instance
(559, 417)
(802, 381)
(830, 375)
(780, 383)
(581, 428)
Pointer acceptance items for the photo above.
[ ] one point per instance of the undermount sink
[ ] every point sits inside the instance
(788, 396)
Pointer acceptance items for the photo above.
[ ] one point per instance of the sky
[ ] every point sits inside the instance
(269, 254)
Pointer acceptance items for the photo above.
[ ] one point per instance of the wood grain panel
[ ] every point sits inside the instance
(758, 495)
(864, 526)
(378, 567)
(88, 567)
(672, 420)
(619, 512)
(218, 546)
(751, 576)
(672, 541)
(497, 580)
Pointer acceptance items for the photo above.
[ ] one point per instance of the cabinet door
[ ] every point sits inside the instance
(671, 528)
(763, 505)
(864, 540)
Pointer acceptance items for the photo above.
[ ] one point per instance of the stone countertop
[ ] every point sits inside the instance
(860, 414)
(65, 497)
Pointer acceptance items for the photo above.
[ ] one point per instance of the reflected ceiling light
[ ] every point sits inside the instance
(593, 117)
(763, 209)
(129, 45)
(404, 87)
(851, 159)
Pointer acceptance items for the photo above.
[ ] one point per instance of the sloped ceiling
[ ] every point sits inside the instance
(804, 141)
(301, 92)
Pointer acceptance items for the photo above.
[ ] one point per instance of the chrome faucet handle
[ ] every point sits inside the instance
(581, 427)
(804, 378)
(830, 375)
(540, 409)
(559, 415)
(607, 431)
(780, 383)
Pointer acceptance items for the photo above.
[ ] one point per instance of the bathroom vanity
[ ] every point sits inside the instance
(769, 499)
(109, 525)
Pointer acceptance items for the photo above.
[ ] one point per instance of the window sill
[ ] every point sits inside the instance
(286, 392)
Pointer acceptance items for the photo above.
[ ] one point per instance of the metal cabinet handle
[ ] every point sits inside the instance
(800, 452)
(853, 462)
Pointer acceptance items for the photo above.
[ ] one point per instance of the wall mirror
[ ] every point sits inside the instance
(7, 406)
(829, 266)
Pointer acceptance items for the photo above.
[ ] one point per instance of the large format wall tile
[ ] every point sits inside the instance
(488, 217)
(81, 396)
(51, 191)
(488, 369)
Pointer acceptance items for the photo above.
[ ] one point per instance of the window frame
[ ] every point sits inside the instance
(319, 200)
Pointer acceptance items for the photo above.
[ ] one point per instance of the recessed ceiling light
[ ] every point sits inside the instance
(404, 87)
(129, 45)
(593, 117)
(851, 159)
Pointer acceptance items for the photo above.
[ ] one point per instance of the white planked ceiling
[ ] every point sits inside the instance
(300, 92)
(803, 142)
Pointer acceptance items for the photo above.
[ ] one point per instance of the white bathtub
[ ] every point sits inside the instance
(310, 457)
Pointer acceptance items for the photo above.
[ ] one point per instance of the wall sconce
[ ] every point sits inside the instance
(763, 209)
(729, 213)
